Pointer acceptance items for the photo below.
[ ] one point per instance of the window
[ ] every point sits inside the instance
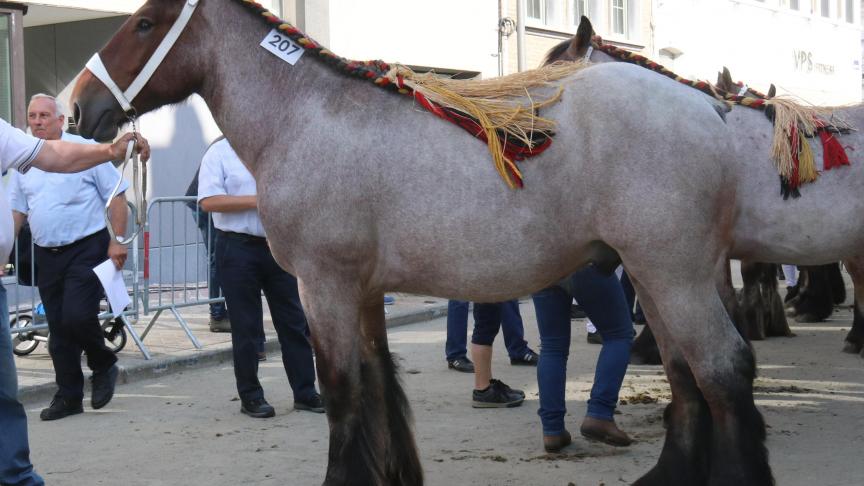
(543, 11)
(580, 8)
(793, 4)
(825, 8)
(619, 17)
(850, 11)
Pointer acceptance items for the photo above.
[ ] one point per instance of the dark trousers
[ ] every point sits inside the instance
(208, 235)
(71, 294)
(246, 267)
(488, 319)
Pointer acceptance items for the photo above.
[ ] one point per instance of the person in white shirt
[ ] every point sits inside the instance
(245, 267)
(66, 218)
(21, 151)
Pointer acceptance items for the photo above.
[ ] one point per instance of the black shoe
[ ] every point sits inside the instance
(496, 395)
(262, 356)
(530, 359)
(313, 404)
(576, 312)
(258, 408)
(61, 407)
(594, 338)
(103, 386)
(461, 364)
(220, 324)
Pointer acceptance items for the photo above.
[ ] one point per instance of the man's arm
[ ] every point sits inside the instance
(66, 157)
(119, 214)
(229, 204)
(19, 219)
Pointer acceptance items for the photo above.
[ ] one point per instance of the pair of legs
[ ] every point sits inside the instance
(603, 300)
(71, 293)
(510, 321)
(15, 466)
(248, 268)
(218, 311)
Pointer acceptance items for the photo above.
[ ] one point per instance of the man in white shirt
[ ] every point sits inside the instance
(21, 151)
(66, 218)
(245, 267)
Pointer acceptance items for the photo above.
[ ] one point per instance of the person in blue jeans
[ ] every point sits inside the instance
(511, 326)
(603, 299)
(15, 466)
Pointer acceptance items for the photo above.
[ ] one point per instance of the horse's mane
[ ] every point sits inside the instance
(556, 52)
(503, 112)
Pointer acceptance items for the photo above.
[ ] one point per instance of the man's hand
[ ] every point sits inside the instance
(117, 253)
(118, 148)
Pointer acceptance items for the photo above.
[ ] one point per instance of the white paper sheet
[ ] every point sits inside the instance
(115, 288)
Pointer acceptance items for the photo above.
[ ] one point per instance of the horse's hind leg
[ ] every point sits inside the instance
(695, 327)
(371, 441)
(855, 339)
(684, 459)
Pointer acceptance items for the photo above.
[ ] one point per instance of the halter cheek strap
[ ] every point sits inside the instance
(588, 53)
(125, 98)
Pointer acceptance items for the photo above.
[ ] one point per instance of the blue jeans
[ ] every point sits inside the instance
(15, 467)
(485, 324)
(208, 233)
(603, 300)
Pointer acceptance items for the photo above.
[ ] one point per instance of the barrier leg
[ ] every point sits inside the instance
(185, 327)
(139, 341)
(150, 324)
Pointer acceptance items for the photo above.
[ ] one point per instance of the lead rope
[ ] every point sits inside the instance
(139, 183)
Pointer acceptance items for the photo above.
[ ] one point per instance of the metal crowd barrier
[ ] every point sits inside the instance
(180, 276)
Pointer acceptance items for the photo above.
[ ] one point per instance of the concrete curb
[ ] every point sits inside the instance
(205, 357)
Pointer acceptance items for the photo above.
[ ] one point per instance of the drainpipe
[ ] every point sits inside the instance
(521, 15)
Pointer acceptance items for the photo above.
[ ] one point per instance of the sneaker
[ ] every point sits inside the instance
(258, 408)
(262, 356)
(461, 364)
(604, 431)
(389, 300)
(102, 383)
(313, 404)
(220, 324)
(576, 312)
(512, 391)
(594, 338)
(496, 395)
(61, 407)
(530, 359)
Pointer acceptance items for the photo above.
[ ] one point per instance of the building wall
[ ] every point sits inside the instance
(762, 42)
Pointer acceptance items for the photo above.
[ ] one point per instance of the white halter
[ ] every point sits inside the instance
(125, 98)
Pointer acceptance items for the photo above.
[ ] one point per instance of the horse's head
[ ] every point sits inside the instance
(584, 45)
(97, 111)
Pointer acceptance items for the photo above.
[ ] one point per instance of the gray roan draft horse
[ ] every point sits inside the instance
(362, 192)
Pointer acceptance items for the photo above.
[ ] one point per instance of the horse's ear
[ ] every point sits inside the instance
(582, 40)
(772, 91)
(725, 80)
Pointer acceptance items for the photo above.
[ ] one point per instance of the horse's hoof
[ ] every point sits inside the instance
(852, 348)
(808, 319)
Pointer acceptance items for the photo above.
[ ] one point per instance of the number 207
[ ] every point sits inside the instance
(284, 45)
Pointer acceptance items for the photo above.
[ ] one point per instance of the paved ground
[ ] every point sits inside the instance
(186, 428)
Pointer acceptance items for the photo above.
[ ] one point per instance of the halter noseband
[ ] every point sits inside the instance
(125, 98)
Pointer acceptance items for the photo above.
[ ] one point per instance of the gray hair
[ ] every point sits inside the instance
(59, 109)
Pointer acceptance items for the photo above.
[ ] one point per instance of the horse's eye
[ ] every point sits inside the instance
(144, 25)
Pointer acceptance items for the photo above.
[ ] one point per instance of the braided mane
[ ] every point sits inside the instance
(501, 112)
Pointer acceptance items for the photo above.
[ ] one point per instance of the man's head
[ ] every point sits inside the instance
(45, 117)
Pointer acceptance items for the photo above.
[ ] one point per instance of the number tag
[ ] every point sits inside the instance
(281, 46)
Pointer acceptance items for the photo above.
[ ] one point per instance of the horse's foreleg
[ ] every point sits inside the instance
(723, 368)
(855, 337)
(684, 459)
(371, 442)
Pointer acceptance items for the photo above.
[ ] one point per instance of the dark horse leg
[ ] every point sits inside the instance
(855, 338)
(715, 435)
(371, 441)
(763, 315)
(815, 301)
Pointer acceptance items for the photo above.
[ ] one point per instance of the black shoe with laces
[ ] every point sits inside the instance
(257, 408)
(529, 359)
(61, 407)
(497, 395)
(313, 404)
(461, 364)
(103, 383)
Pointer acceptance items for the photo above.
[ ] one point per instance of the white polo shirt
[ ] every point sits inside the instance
(64, 208)
(223, 174)
(17, 151)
